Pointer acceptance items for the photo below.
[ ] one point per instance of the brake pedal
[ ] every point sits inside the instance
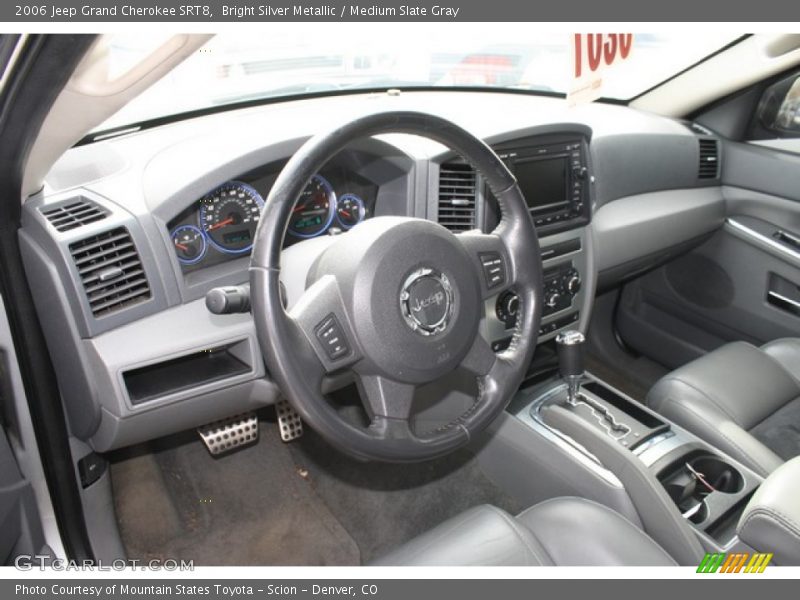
(231, 433)
(290, 425)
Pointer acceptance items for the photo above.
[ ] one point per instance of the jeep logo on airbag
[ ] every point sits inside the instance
(426, 301)
(435, 298)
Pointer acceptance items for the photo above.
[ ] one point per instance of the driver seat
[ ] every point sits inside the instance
(561, 532)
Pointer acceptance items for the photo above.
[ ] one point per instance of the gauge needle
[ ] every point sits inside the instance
(227, 221)
(181, 246)
(346, 213)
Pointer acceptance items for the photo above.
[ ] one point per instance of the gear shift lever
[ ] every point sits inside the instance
(570, 345)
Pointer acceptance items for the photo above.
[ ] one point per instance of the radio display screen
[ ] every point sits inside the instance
(544, 181)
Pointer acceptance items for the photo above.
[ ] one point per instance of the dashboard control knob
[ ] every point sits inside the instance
(552, 299)
(512, 304)
(506, 309)
(574, 283)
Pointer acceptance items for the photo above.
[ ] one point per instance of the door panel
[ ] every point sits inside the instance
(742, 284)
(20, 525)
(21, 531)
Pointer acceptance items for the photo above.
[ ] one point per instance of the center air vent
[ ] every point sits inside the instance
(111, 271)
(457, 197)
(709, 159)
(73, 214)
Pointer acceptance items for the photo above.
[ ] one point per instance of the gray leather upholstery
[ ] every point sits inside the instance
(771, 520)
(786, 351)
(574, 531)
(727, 396)
(563, 531)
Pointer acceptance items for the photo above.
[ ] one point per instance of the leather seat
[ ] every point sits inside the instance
(562, 531)
(742, 399)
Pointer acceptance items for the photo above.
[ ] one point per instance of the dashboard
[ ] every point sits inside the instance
(131, 233)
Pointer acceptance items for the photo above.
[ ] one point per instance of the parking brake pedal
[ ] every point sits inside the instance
(231, 433)
(289, 423)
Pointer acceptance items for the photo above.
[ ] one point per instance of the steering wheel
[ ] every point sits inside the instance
(398, 301)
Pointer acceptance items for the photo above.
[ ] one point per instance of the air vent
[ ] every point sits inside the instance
(457, 197)
(111, 271)
(74, 214)
(709, 159)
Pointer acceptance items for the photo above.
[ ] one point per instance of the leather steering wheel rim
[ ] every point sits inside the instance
(290, 341)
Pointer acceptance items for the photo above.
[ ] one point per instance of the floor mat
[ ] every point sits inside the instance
(385, 505)
(252, 507)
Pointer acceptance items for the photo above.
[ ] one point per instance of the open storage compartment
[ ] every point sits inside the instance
(194, 370)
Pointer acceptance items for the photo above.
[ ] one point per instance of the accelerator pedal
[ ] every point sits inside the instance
(231, 433)
(290, 425)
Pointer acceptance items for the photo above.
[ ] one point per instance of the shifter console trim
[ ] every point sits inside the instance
(614, 429)
(530, 417)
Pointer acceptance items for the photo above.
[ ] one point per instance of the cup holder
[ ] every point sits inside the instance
(721, 476)
(691, 479)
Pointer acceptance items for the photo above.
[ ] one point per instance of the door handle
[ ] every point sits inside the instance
(781, 301)
(783, 294)
(787, 238)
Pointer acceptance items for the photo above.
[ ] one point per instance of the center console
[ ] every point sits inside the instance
(554, 174)
(698, 487)
(708, 489)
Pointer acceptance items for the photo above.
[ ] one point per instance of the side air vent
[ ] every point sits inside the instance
(73, 214)
(111, 271)
(457, 197)
(709, 159)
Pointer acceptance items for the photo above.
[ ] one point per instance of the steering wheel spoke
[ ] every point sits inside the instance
(385, 398)
(480, 359)
(492, 261)
(321, 314)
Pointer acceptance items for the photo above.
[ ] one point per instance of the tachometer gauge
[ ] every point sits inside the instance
(313, 212)
(229, 216)
(190, 244)
(350, 210)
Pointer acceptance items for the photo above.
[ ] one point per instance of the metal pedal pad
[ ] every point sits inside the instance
(227, 434)
(290, 425)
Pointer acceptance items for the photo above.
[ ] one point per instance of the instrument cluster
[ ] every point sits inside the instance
(221, 225)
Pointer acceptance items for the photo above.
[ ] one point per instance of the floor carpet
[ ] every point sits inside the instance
(302, 503)
(251, 507)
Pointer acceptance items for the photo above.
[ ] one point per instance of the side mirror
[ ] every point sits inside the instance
(779, 108)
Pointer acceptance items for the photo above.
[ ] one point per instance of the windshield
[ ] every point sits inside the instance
(293, 59)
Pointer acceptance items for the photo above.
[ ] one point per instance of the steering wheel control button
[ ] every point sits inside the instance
(493, 269)
(426, 301)
(331, 337)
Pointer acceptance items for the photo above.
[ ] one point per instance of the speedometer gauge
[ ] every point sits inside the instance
(229, 216)
(314, 210)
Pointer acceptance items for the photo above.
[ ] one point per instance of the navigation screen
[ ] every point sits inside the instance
(543, 182)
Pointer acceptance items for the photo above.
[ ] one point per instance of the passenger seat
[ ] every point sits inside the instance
(742, 399)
